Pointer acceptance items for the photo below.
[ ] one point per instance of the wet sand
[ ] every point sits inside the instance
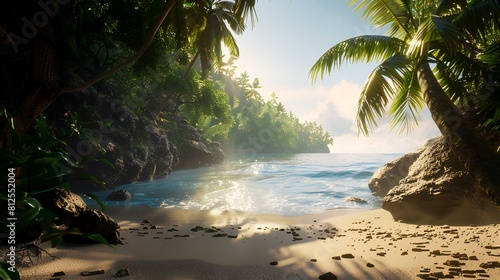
(350, 244)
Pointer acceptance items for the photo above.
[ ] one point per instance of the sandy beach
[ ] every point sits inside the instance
(350, 244)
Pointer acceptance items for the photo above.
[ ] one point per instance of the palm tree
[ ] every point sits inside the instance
(211, 31)
(251, 90)
(445, 34)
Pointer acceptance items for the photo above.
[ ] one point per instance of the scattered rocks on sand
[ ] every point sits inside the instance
(59, 273)
(123, 272)
(355, 199)
(348, 256)
(273, 263)
(91, 273)
(328, 276)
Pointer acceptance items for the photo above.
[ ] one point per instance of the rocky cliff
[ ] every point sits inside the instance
(118, 146)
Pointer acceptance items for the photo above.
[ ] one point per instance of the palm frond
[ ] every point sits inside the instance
(245, 8)
(408, 102)
(379, 88)
(450, 7)
(419, 44)
(365, 48)
(451, 35)
(449, 81)
(393, 13)
(480, 18)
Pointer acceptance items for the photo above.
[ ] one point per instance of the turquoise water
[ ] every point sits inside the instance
(280, 184)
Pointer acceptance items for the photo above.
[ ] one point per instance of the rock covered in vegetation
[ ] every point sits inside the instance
(137, 147)
(437, 189)
(119, 195)
(65, 204)
(195, 151)
(94, 222)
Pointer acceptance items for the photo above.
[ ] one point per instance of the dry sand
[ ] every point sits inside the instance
(181, 245)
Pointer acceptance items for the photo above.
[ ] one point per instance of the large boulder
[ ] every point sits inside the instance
(438, 190)
(384, 179)
(94, 222)
(65, 204)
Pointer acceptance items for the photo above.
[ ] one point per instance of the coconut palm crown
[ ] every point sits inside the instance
(445, 34)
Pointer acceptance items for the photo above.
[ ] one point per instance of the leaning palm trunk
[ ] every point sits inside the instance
(479, 159)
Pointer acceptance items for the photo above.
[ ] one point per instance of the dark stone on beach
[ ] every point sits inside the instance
(370, 265)
(355, 199)
(123, 272)
(65, 204)
(492, 264)
(232, 236)
(273, 263)
(347, 256)
(119, 195)
(92, 222)
(91, 273)
(337, 258)
(59, 273)
(220, 235)
(438, 190)
(328, 276)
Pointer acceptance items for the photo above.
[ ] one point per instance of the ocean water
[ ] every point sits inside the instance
(287, 185)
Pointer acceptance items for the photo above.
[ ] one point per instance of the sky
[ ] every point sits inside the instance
(288, 38)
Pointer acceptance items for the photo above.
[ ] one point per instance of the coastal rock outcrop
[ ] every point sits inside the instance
(65, 204)
(436, 190)
(384, 179)
(94, 222)
(195, 151)
(124, 147)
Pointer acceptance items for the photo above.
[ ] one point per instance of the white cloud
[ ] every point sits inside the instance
(335, 109)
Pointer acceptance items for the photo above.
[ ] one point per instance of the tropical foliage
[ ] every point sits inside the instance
(34, 164)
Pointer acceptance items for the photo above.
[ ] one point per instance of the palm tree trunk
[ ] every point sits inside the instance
(478, 157)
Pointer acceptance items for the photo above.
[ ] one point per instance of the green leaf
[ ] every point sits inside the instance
(364, 49)
(56, 241)
(6, 274)
(97, 237)
(93, 197)
(90, 178)
(381, 86)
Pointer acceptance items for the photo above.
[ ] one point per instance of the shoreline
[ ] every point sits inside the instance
(182, 244)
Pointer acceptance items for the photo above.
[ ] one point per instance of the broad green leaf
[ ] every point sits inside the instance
(96, 199)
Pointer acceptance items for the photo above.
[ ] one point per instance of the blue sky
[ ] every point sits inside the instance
(288, 38)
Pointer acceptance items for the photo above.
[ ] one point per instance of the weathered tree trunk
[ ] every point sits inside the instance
(478, 157)
(43, 85)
